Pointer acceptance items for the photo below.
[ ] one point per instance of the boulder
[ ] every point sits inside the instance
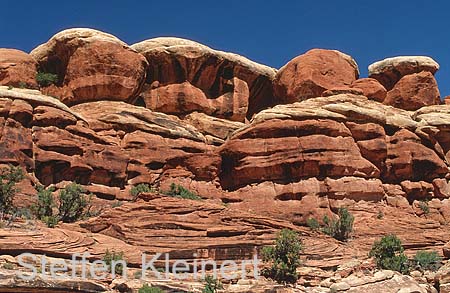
(91, 66)
(389, 71)
(371, 88)
(17, 69)
(184, 98)
(309, 75)
(175, 60)
(414, 91)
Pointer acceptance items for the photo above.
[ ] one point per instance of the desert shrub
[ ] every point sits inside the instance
(111, 257)
(313, 224)
(45, 78)
(212, 285)
(45, 202)
(116, 204)
(22, 85)
(9, 177)
(147, 289)
(181, 192)
(50, 221)
(389, 254)
(140, 188)
(423, 205)
(284, 257)
(73, 203)
(380, 215)
(341, 228)
(427, 260)
(8, 266)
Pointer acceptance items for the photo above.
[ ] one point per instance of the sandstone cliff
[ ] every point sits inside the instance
(266, 149)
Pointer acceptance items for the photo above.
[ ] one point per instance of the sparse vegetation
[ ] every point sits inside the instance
(380, 215)
(147, 289)
(341, 228)
(22, 85)
(427, 260)
(313, 224)
(140, 188)
(181, 192)
(50, 221)
(8, 266)
(284, 257)
(211, 285)
(116, 204)
(45, 202)
(423, 205)
(9, 177)
(45, 79)
(73, 203)
(389, 254)
(113, 257)
(10, 87)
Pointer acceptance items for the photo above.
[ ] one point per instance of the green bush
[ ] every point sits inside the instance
(380, 215)
(45, 202)
(423, 205)
(181, 192)
(9, 177)
(108, 259)
(50, 221)
(284, 257)
(427, 260)
(341, 228)
(313, 224)
(45, 79)
(147, 289)
(140, 188)
(389, 254)
(211, 285)
(73, 203)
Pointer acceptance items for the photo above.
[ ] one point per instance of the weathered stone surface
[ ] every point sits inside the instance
(371, 88)
(219, 128)
(414, 91)
(309, 75)
(174, 60)
(17, 69)
(91, 66)
(391, 70)
(184, 98)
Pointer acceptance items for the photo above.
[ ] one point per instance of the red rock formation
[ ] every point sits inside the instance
(309, 75)
(336, 146)
(17, 69)
(184, 98)
(414, 91)
(371, 88)
(91, 66)
(389, 71)
(174, 60)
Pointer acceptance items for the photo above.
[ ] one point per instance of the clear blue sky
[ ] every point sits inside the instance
(270, 32)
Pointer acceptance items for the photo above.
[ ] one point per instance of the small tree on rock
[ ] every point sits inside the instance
(284, 257)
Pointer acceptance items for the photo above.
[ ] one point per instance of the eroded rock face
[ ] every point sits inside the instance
(370, 88)
(309, 75)
(184, 98)
(17, 69)
(389, 71)
(334, 146)
(174, 61)
(91, 66)
(414, 91)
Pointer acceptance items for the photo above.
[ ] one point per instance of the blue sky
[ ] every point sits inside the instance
(270, 32)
